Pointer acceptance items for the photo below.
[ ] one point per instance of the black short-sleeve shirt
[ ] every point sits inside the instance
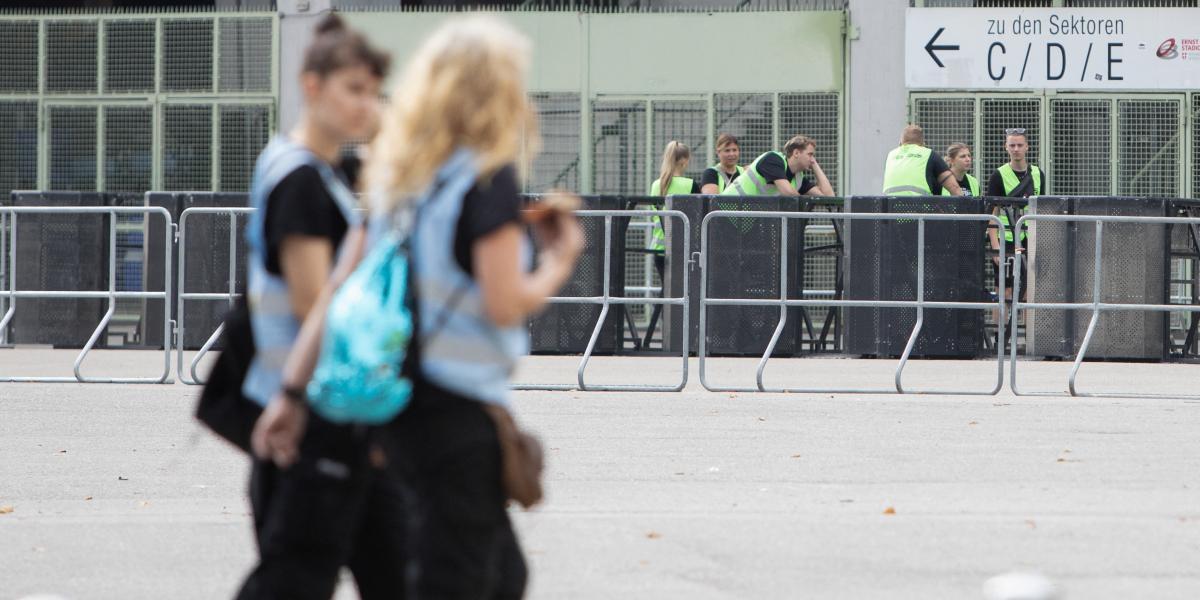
(710, 175)
(773, 167)
(995, 185)
(489, 205)
(301, 205)
(933, 169)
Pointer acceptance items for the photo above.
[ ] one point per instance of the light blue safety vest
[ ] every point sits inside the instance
(274, 325)
(461, 349)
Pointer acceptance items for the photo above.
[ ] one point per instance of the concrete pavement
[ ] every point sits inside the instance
(116, 493)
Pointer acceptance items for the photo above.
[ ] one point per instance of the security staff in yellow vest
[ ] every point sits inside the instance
(784, 173)
(675, 161)
(716, 178)
(912, 169)
(959, 158)
(1014, 179)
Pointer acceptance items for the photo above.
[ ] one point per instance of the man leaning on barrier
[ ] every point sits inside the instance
(784, 173)
(912, 169)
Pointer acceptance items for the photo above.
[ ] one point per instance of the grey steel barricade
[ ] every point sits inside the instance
(189, 376)
(605, 300)
(111, 294)
(1096, 305)
(783, 302)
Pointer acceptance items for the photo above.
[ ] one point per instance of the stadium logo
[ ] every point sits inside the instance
(1167, 49)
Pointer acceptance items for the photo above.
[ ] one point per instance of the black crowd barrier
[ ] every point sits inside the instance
(207, 266)
(883, 266)
(857, 260)
(59, 252)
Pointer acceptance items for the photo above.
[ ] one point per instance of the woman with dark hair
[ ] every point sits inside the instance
(334, 504)
(443, 170)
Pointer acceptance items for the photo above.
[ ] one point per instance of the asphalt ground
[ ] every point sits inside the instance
(115, 492)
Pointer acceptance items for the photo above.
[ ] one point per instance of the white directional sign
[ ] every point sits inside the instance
(1056, 48)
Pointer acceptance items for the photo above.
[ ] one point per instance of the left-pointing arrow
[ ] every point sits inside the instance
(929, 47)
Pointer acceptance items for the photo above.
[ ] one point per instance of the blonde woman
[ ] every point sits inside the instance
(676, 158)
(450, 143)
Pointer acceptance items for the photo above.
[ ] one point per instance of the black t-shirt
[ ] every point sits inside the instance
(995, 186)
(301, 205)
(710, 175)
(773, 167)
(488, 206)
(965, 184)
(933, 169)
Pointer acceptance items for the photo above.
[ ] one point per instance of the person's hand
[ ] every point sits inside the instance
(277, 433)
(561, 235)
(816, 166)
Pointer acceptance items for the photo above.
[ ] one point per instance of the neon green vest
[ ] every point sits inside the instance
(724, 179)
(677, 187)
(1009, 177)
(904, 172)
(751, 183)
(972, 183)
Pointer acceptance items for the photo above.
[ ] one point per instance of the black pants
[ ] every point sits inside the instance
(331, 509)
(463, 544)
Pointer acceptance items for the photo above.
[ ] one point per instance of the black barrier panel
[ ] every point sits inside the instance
(744, 261)
(566, 328)
(60, 252)
(207, 247)
(1062, 269)
(882, 265)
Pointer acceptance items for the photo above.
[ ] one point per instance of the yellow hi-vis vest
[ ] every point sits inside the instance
(677, 187)
(724, 179)
(751, 183)
(904, 172)
(1009, 177)
(972, 184)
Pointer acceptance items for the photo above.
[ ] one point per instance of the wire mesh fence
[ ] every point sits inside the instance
(129, 56)
(1148, 147)
(1080, 146)
(557, 166)
(245, 130)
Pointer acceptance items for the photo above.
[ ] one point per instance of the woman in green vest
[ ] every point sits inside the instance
(716, 178)
(958, 156)
(675, 161)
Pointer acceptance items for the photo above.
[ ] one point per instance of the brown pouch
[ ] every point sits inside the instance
(521, 459)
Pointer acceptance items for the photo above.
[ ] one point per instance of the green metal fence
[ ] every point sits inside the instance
(131, 102)
(1090, 144)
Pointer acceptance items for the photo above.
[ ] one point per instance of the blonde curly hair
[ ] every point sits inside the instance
(464, 88)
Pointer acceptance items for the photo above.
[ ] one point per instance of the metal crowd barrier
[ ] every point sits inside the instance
(190, 376)
(605, 300)
(1096, 305)
(111, 294)
(783, 302)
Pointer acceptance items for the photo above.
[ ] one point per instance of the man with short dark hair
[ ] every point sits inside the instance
(783, 173)
(1014, 179)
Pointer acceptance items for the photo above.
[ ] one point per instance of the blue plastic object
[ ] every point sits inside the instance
(368, 328)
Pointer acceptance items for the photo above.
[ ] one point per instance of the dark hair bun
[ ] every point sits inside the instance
(329, 24)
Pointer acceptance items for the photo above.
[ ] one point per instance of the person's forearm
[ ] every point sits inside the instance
(993, 236)
(709, 189)
(302, 359)
(784, 187)
(826, 188)
(544, 282)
